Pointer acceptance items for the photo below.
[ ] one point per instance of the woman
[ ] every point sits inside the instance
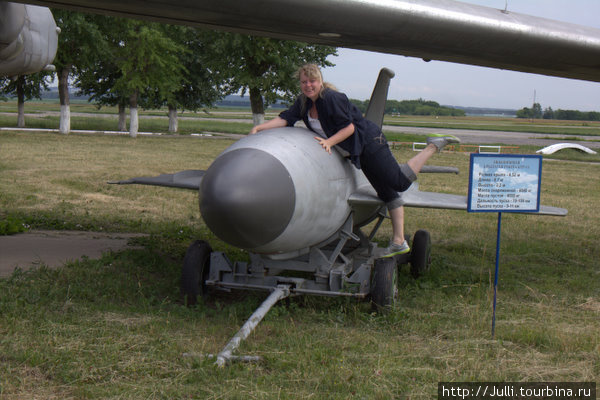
(337, 121)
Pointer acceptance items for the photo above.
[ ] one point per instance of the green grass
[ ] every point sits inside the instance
(115, 327)
(551, 127)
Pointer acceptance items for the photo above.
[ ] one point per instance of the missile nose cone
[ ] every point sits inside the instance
(247, 197)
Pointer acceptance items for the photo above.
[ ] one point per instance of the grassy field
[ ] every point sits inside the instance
(115, 327)
(44, 114)
(552, 127)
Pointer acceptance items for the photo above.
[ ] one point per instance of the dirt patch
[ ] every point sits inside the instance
(55, 248)
(590, 305)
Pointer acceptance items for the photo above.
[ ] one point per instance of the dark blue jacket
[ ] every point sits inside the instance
(335, 113)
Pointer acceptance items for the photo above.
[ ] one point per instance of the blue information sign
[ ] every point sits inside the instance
(505, 183)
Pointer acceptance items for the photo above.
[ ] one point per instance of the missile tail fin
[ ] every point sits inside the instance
(376, 107)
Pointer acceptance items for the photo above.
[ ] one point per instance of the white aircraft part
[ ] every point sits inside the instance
(12, 19)
(28, 39)
(561, 146)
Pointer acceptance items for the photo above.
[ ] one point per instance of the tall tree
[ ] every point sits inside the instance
(97, 80)
(79, 44)
(25, 87)
(149, 62)
(266, 67)
(533, 113)
(204, 78)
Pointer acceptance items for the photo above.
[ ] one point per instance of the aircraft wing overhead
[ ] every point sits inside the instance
(443, 30)
(413, 197)
(189, 179)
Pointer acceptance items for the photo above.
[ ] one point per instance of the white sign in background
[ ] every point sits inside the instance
(504, 183)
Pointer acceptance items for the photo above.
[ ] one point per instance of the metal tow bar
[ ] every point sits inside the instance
(280, 292)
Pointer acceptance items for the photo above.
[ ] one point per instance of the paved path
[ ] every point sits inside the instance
(54, 248)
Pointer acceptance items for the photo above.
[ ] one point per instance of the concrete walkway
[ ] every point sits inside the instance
(55, 248)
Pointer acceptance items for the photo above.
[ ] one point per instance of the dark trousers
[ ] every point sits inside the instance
(384, 173)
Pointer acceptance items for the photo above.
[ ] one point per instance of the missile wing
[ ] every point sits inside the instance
(443, 30)
(278, 192)
(188, 179)
(413, 197)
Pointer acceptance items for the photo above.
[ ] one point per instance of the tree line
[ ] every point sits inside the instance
(413, 107)
(130, 63)
(535, 112)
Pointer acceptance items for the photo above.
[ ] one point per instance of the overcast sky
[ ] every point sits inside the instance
(462, 85)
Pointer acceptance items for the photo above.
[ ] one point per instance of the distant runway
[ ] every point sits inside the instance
(469, 136)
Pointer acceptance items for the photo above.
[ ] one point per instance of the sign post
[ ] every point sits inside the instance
(504, 183)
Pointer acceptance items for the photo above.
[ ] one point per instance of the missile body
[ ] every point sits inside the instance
(279, 192)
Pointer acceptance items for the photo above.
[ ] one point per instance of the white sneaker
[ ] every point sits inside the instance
(440, 141)
(395, 249)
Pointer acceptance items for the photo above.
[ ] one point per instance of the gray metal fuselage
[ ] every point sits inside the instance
(443, 30)
(279, 193)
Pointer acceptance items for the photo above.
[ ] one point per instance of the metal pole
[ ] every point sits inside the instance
(280, 292)
(496, 274)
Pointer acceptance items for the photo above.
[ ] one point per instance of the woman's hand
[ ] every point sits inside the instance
(276, 122)
(324, 143)
(339, 137)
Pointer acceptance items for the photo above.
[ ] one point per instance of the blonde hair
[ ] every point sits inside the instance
(312, 71)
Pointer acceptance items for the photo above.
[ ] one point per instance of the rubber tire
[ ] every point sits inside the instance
(194, 272)
(420, 259)
(384, 285)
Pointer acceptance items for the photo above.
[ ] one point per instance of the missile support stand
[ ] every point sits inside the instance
(349, 264)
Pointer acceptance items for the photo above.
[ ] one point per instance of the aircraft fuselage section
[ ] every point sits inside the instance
(28, 39)
(444, 30)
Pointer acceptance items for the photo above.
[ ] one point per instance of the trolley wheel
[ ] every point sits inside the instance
(194, 272)
(420, 253)
(384, 285)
